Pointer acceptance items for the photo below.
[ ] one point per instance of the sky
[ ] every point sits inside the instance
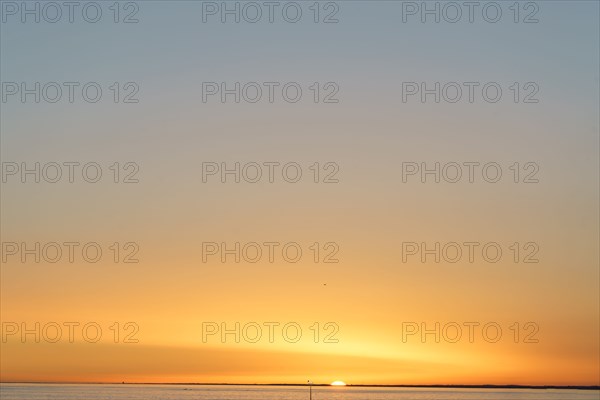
(365, 301)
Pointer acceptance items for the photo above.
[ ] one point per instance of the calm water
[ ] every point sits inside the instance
(175, 392)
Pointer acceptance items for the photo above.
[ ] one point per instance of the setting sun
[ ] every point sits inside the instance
(338, 383)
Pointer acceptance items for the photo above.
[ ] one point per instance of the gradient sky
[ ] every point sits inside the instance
(369, 213)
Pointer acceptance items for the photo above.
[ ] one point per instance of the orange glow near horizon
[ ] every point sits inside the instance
(364, 343)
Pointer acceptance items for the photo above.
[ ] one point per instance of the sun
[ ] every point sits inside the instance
(338, 383)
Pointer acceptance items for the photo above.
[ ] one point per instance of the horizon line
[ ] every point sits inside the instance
(449, 386)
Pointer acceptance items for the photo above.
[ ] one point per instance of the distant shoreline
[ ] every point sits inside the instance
(537, 387)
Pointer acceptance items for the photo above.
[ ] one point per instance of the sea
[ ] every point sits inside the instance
(14, 391)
